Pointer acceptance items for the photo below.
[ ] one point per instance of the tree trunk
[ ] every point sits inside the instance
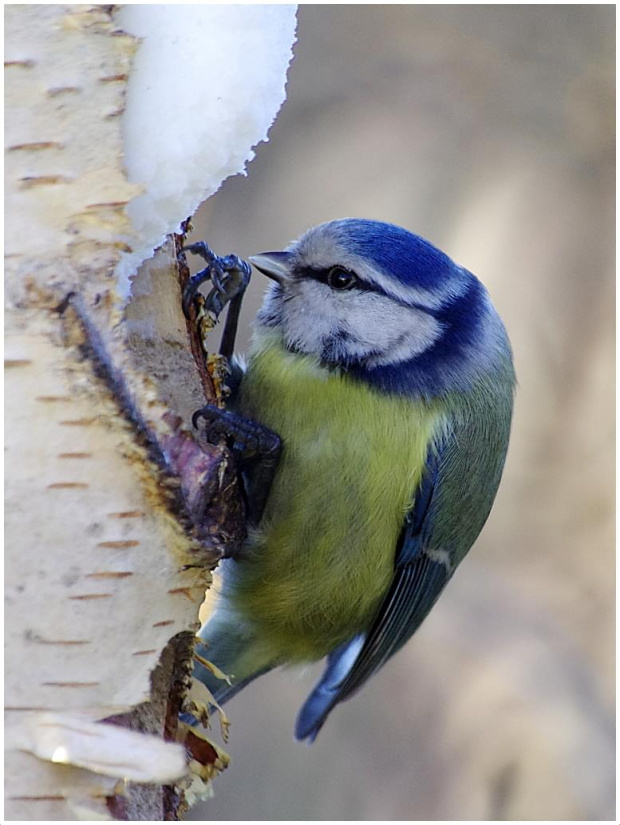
(115, 514)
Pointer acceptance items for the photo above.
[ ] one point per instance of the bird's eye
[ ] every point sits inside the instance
(339, 278)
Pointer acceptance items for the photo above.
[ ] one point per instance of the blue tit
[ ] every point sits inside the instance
(387, 373)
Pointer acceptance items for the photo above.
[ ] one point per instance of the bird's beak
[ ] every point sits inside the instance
(275, 265)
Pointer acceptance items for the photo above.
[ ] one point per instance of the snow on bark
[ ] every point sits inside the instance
(220, 72)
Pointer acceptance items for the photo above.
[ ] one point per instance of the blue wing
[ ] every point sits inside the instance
(418, 581)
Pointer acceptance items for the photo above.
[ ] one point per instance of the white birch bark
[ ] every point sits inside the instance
(108, 542)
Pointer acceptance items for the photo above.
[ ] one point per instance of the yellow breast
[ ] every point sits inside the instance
(352, 459)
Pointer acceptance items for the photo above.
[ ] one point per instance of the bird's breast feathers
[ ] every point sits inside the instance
(351, 463)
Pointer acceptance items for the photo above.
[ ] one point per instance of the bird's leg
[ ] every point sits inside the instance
(230, 276)
(257, 447)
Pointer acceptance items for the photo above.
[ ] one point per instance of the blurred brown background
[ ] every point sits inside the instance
(490, 131)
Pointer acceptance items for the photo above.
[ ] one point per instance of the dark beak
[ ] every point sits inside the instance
(275, 265)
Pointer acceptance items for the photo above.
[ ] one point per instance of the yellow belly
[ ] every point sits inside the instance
(318, 568)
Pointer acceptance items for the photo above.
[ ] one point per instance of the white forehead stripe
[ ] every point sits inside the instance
(322, 250)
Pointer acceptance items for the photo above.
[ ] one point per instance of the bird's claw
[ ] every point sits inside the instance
(229, 275)
(200, 248)
(245, 437)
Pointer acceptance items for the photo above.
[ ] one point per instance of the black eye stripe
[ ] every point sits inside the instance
(323, 277)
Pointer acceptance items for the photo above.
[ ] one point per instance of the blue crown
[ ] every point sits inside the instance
(397, 253)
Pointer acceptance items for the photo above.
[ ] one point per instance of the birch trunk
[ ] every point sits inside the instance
(115, 515)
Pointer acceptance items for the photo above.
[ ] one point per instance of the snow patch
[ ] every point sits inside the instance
(206, 85)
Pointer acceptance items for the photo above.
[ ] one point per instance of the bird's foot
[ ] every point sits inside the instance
(257, 447)
(229, 275)
(248, 439)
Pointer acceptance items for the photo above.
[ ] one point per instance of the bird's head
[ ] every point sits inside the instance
(383, 304)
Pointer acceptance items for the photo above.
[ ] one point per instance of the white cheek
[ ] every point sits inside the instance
(377, 328)
(393, 332)
(307, 317)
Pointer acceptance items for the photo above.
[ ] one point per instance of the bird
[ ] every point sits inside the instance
(371, 419)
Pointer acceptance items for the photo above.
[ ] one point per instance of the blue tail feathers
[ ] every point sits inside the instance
(326, 694)
(233, 648)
